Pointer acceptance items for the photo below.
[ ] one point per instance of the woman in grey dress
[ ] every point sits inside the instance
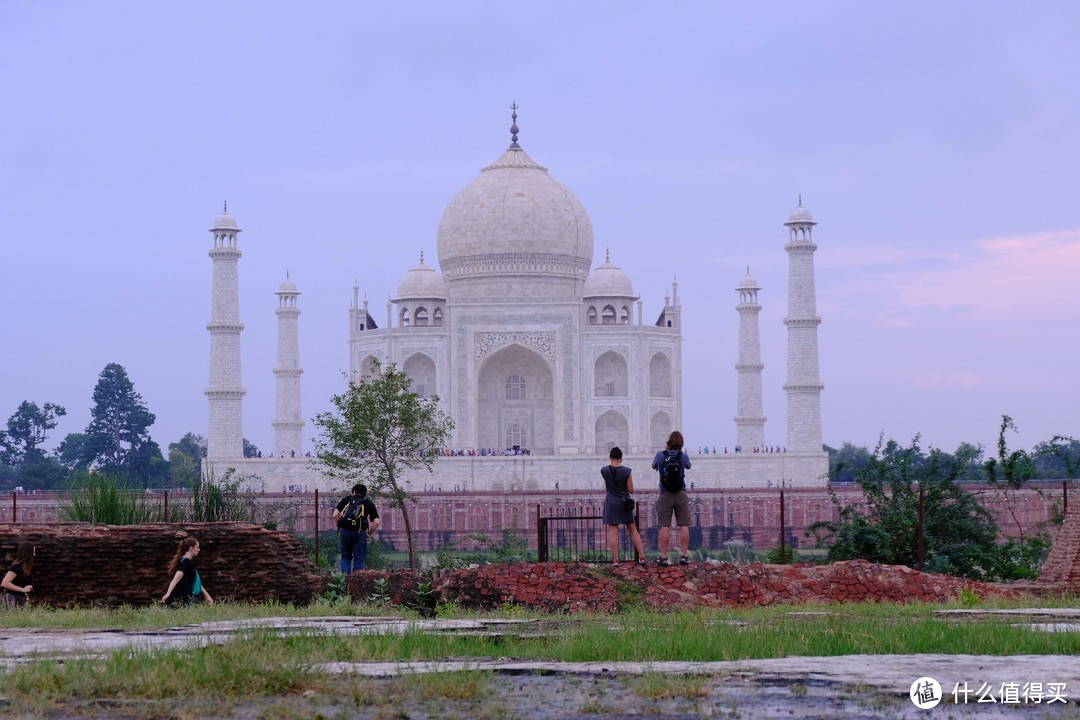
(618, 484)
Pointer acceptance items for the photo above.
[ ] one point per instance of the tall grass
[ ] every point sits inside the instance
(215, 499)
(104, 500)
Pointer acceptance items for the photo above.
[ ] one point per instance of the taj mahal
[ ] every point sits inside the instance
(544, 357)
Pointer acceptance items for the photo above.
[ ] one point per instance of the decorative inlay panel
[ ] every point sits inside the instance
(486, 342)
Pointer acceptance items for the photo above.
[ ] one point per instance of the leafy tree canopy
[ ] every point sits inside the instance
(27, 430)
(845, 462)
(119, 427)
(73, 452)
(1057, 458)
(185, 459)
(379, 428)
(959, 535)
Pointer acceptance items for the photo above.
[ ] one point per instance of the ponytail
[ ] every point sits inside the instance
(181, 549)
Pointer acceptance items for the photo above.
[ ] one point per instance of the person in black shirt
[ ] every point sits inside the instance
(186, 586)
(618, 484)
(16, 582)
(355, 526)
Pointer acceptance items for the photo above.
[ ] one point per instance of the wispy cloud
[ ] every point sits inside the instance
(1007, 278)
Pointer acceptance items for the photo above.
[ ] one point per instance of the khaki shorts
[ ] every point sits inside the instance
(669, 502)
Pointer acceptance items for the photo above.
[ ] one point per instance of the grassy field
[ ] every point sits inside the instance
(259, 664)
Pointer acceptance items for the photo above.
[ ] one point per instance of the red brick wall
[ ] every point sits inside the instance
(577, 586)
(1062, 566)
(81, 564)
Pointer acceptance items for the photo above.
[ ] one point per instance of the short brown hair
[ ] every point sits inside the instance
(675, 441)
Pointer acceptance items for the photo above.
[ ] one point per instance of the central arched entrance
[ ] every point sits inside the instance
(516, 401)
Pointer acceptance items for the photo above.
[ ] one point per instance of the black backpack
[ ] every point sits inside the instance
(353, 516)
(671, 472)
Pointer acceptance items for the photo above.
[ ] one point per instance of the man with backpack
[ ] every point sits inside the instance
(672, 464)
(357, 520)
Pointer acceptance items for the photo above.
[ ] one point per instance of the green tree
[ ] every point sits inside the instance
(20, 446)
(146, 466)
(959, 535)
(27, 430)
(119, 426)
(970, 459)
(379, 428)
(1007, 474)
(846, 462)
(250, 449)
(185, 459)
(73, 451)
(1057, 458)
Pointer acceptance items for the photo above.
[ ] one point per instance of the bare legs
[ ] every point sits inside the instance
(613, 541)
(635, 538)
(665, 541)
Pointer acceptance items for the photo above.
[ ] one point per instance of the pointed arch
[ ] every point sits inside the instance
(421, 370)
(660, 376)
(611, 378)
(659, 429)
(368, 367)
(611, 429)
(478, 517)
(516, 389)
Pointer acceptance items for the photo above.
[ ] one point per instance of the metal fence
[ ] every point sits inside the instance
(570, 535)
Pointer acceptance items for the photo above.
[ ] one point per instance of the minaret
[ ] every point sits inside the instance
(225, 436)
(750, 413)
(288, 423)
(803, 385)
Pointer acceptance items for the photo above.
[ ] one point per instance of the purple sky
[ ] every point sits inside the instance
(935, 144)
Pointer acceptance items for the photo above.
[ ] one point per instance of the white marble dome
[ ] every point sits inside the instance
(287, 287)
(515, 220)
(748, 282)
(421, 282)
(800, 215)
(608, 281)
(225, 221)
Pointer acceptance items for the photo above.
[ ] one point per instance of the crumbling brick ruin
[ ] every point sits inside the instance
(1062, 567)
(80, 564)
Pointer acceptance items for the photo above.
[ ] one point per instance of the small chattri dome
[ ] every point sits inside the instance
(421, 282)
(800, 215)
(607, 280)
(225, 221)
(287, 287)
(748, 282)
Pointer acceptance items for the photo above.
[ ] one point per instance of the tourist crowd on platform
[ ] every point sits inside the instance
(485, 452)
(739, 449)
(292, 454)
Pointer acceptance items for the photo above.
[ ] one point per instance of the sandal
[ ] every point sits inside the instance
(684, 560)
(642, 561)
(662, 562)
